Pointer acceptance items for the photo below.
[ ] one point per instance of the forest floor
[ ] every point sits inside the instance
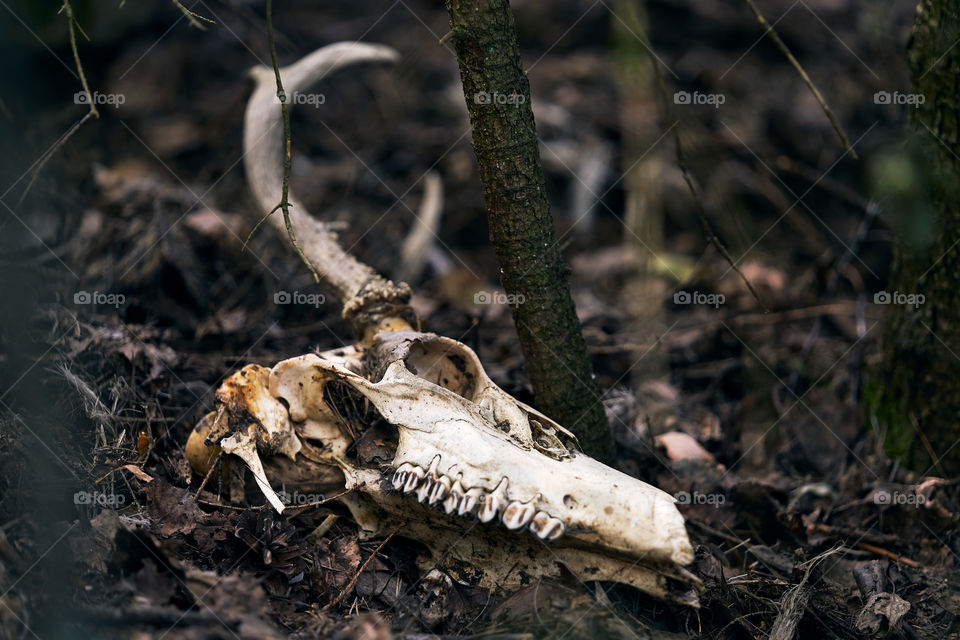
(803, 526)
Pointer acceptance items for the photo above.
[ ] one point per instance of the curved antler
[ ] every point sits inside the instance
(370, 302)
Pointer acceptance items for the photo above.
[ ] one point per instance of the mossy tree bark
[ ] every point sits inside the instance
(919, 402)
(505, 142)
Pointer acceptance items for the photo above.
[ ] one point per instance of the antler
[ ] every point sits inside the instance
(370, 302)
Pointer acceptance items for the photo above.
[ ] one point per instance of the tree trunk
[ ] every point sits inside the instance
(521, 227)
(919, 401)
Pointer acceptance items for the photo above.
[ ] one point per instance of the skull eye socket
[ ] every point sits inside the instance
(435, 363)
(546, 441)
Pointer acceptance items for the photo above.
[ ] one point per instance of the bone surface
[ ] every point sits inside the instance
(484, 437)
(465, 449)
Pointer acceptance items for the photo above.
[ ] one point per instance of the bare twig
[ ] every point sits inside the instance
(193, 17)
(803, 74)
(320, 502)
(888, 554)
(353, 581)
(370, 301)
(688, 179)
(206, 478)
(72, 27)
(230, 506)
(267, 506)
(284, 204)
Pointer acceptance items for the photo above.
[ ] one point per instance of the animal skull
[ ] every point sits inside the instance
(472, 468)
(497, 492)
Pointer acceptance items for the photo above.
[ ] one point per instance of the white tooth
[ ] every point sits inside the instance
(414, 476)
(519, 514)
(451, 502)
(546, 527)
(434, 469)
(493, 503)
(454, 496)
(400, 477)
(471, 500)
(555, 529)
(440, 489)
(425, 488)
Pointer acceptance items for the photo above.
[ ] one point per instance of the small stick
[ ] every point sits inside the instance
(353, 581)
(926, 445)
(803, 74)
(698, 204)
(369, 300)
(284, 204)
(192, 17)
(888, 554)
(209, 474)
(228, 506)
(267, 506)
(92, 112)
(319, 502)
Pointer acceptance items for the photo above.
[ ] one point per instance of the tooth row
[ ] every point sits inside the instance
(434, 488)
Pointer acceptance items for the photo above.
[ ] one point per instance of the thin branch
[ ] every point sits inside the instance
(261, 507)
(284, 204)
(803, 74)
(72, 27)
(193, 17)
(369, 299)
(688, 179)
(353, 581)
(308, 505)
(207, 477)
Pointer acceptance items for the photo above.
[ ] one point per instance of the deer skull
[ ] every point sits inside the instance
(496, 492)
(472, 469)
